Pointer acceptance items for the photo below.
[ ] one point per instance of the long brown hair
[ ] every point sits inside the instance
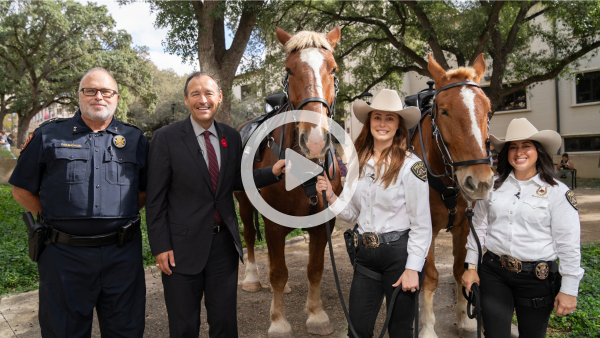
(544, 165)
(393, 157)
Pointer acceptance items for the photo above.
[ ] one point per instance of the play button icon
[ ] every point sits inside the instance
(298, 169)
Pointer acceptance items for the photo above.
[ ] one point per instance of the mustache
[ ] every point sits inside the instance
(99, 102)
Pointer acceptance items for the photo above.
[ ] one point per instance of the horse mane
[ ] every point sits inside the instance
(468, 72)
(307, 39)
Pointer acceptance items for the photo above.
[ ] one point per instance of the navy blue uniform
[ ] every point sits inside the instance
(88, 184)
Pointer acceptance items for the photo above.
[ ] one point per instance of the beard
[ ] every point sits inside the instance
(98, 114)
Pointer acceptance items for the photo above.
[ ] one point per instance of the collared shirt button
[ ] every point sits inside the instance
(510, 239)
(97, 167)
(98, 186)
(511, 222)
(368, 205)
(97, 205)
(367, 194)
(367, 222)
(511, 212)
(71, 156)
(96, 150)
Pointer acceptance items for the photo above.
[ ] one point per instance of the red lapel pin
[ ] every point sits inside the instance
(224, 143)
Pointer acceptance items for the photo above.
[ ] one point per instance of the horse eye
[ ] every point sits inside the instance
(289, 71)
(333, 71)
(443, 112)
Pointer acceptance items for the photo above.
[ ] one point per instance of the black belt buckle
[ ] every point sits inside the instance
(511, 264)
(537, 303)
(371, 240)
(542, 270)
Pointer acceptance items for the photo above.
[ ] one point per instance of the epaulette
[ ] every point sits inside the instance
(131, 125)
(56, 119)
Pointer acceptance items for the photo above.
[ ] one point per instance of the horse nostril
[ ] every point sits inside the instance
(469, 183)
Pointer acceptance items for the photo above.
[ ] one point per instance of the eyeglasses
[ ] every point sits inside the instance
(108, 93)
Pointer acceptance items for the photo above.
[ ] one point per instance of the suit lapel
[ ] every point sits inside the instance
(221, 137)
(191, 142)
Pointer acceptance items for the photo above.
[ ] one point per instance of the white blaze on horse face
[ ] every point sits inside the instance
(314, 59)
(468, 97)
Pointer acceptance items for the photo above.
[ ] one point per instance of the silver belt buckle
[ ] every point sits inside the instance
(371, 240)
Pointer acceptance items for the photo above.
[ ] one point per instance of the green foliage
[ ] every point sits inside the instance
(47, 46)
(585, 322)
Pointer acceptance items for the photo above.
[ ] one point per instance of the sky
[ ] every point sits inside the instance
(137, 20)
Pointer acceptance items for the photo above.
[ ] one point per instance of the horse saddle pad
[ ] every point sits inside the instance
(276, 101)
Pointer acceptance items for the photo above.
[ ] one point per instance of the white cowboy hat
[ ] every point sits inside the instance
(522, 129)
(387, 100)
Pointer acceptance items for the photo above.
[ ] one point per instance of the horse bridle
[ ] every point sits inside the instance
(441, 144)
(330, 108)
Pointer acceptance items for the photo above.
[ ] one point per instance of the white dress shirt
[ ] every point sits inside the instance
(539, 225)
(214, 140)
(403, 205)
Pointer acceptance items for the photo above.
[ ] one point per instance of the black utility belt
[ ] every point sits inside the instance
(125, 234)
(540, 269)
(372, 240)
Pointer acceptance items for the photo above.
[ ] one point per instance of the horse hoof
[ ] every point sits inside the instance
(251, 287)
(426, 332)
(280, 329)
(322, 329)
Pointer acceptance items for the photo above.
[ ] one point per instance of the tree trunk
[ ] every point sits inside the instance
(2, 110)
(22, 134)
(224, 113)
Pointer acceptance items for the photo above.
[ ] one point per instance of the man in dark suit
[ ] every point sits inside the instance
(194, 167)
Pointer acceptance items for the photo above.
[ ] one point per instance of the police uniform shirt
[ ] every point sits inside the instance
(403, 205)
(214, 140)
(541, 224)
(88, 184)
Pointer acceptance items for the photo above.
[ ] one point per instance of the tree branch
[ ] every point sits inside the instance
(493, 20)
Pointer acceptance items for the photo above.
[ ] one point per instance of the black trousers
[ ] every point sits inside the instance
(217, 283)
(366, 294)
(498, 289)
(74, 280)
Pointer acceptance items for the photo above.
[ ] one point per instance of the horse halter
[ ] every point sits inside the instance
(330, 108)
(439, 139)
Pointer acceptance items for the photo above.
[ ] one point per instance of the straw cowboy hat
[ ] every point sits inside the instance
(521, 129)
(387, 100)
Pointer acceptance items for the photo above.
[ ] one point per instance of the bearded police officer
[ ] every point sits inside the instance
(86, 177)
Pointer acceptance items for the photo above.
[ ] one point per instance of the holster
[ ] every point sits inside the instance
(556, 283)
(128, 231)
(36, 236)
(351, 239)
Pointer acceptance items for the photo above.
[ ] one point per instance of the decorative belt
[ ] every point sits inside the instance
(540, 269)
(372, 240)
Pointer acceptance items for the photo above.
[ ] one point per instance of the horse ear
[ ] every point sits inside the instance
(437, 72)
(334, 36)
(480, 67)
(282, 36)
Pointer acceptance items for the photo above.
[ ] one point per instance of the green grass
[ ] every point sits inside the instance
(19, 274)
(586, 182)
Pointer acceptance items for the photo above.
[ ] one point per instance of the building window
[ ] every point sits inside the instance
(588, 143)
(514, 101)
(587, 87)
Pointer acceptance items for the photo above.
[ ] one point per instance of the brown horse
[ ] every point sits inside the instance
(462, 117)
(311, 74)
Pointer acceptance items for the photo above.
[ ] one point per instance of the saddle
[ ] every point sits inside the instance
(274, 103)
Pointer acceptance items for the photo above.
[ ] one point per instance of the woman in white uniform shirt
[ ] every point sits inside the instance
(391, 206)
(528, 221)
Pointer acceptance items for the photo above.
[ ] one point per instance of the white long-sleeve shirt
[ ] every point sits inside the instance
(403, 205)
(540, 225)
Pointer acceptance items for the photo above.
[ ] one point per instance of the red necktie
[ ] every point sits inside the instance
(213, 168)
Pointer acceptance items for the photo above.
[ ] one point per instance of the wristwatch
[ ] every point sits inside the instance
(470, 266)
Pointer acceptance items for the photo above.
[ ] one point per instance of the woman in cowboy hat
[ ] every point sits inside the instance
(528, 221)
(391, 208)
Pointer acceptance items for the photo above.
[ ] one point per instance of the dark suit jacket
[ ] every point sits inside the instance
(180, 202)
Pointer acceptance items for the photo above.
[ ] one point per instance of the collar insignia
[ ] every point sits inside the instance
(571, 198)
(542, 191)
(119, 141)
(420, 171)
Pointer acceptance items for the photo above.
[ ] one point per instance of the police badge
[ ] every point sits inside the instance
(119, 141)
(420, 171)
(542, 270)
(571, 198)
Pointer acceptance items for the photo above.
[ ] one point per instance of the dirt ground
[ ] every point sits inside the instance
(253, 308)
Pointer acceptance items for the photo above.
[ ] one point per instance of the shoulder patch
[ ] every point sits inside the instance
(420, 171)
(571, 198)
(27, 142)
(56, 119)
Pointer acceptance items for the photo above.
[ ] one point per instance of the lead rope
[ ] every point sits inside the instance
(341, 296)
(474, 297)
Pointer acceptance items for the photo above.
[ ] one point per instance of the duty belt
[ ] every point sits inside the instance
(372, 240)
(540, 269)
(125, 234)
